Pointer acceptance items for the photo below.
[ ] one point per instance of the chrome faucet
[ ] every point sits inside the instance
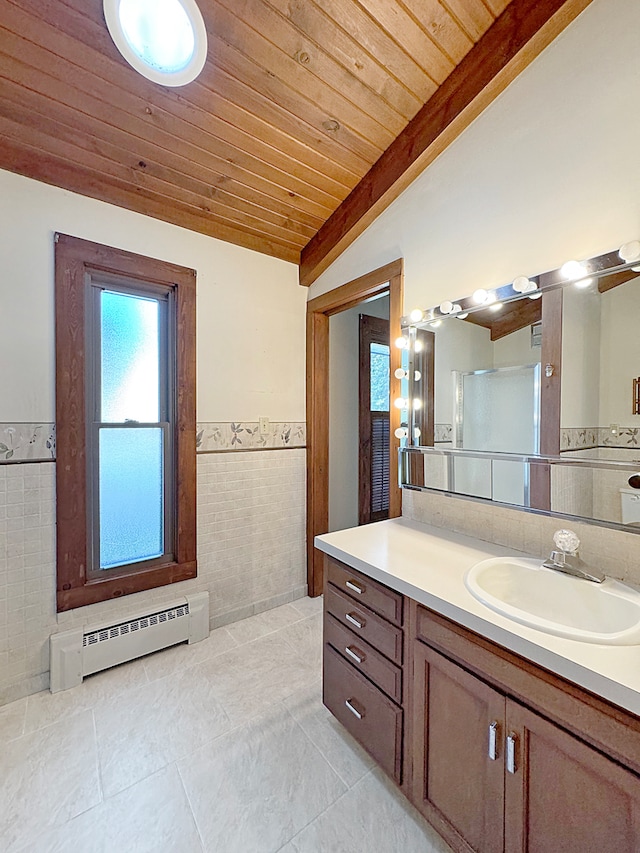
(565, 558)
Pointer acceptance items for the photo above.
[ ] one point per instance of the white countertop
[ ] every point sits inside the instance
(429, 563)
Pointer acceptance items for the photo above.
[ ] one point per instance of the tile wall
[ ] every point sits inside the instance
(614, 551)
(251, 554)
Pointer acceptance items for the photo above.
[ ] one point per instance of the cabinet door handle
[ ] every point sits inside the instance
(357, 622)
(353, 709)
(511, 753)
(356, 654)
(493, 740)
(354, 587)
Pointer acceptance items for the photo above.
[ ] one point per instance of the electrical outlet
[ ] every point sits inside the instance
(264, 426)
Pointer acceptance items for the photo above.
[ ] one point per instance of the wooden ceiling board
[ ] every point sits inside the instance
(297, 103)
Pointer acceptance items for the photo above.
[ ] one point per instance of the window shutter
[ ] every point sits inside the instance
(379, 465)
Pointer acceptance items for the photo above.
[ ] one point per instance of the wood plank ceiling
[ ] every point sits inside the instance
(298, 99)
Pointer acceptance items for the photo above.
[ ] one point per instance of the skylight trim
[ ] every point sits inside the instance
(181, 77)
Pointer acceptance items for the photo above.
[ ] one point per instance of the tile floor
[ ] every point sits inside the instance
(223, 746)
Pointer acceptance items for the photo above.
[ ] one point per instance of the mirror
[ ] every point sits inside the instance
(553, 372)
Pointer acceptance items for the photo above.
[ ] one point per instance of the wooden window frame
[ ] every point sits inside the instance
(75, 261)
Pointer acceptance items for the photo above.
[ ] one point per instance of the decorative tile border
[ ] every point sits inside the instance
(245, 435)
(442, 433)
(581, 438)
(20, 442)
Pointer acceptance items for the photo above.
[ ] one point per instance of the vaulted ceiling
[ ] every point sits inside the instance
(309, 115)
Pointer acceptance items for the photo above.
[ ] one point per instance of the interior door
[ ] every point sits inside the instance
(373, 466)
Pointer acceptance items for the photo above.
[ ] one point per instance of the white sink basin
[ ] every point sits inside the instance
(522, 590)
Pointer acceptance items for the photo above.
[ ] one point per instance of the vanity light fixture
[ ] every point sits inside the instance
(446, 307)
(418, 346)
(630, 252)
(401, 403)
(401, 432)
(480, 296)
(417, 404)
(455, 308)
(416, 315)
(417, 376)
(416, 432)
(401, 373)
(164, 40)
(535, 295)
(573, 271)
(462, 316)
(402, 342)
(491, 298)
(522, 284)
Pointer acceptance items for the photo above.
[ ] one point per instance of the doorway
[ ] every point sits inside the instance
(385, 279)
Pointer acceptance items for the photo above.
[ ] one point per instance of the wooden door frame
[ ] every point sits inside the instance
(388, 278)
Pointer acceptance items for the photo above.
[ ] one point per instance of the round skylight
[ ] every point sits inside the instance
(165, 40)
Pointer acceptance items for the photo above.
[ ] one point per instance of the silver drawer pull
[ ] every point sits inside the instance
(354, 621)
(511, 753)
(358, 656)
(493, 741)
(353, 710)
(354, 587)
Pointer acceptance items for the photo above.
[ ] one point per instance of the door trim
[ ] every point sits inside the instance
(388, 278)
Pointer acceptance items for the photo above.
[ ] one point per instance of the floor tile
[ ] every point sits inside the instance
(256, 675)
(308, 606)
(372, 816)
(305, 637)
(254, 788)
(168, 661)
(12, 719)
(46, 778)
(337, 746)
(153, 816)
(45, 708)
(155, 725)
(262, 624)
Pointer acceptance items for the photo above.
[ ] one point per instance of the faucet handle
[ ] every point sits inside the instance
(566, 540)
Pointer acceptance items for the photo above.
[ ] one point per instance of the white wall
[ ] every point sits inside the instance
(548, 172)
(250, 308)
(344, 444)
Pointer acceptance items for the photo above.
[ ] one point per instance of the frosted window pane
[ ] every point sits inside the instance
(130, 358)
(131, 495)
(159, 32)
(379, 378)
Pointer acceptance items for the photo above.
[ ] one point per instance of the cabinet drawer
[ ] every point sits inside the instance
(365, 623)
(362, 589)
(372, 719)
(386, 675)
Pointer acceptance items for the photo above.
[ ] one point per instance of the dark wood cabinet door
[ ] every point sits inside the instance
(564, 795)
(456, 784)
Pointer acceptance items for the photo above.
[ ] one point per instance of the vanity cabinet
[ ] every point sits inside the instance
(362, 663)
(499, 754)
(494, 775)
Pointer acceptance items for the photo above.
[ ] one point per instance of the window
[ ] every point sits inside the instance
(125, 413)
(164, 40)
(373, 463)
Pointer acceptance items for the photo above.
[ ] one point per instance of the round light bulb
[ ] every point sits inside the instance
(416, 432)
(418, 346)
(401, 432)
(531, 286)
(455, 308)
(536, 295)
(573, 270)
(496, 306)
(521, 284)
(402, 342)
(400, 403)
(583, 283)
(417, 376)
(446, 307)
(416, 315)
(630, 251)
(401, 373)
(435, 324)
(480, 296)
(417, 404)
(463, 316)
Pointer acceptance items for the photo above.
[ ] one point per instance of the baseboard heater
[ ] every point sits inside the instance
(85, 650)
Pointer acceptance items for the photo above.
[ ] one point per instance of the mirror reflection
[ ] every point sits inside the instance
(507, 381)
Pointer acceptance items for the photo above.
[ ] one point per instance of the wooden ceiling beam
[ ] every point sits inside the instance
(520, 34)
